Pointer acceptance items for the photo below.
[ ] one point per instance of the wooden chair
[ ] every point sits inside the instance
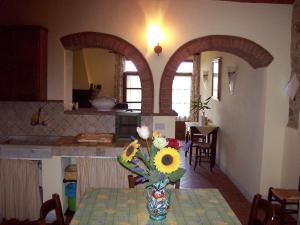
(206, 151)
(196, 139)
(285, 197)
(133, 181)
(48, 206)
(262, 212)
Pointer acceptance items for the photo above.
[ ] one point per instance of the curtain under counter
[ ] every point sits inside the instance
(19, 189)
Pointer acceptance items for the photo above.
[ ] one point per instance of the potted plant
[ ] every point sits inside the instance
(199, 105)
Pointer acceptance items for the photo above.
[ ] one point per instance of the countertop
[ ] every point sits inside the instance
(39, 147)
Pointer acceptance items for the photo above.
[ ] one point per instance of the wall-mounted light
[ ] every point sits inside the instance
(157, 49)
(232, 74)
(205, 76)
(155, 36)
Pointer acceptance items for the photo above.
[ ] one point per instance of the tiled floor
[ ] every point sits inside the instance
(203, 178)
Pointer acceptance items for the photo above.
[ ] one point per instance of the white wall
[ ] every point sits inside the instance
(291, 159)
(240, 118)
(266, 24)
(52, 177)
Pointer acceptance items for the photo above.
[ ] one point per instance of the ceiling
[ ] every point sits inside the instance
(264, 1)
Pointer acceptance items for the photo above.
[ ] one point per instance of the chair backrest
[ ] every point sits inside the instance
(197, 137)
(48, 206)
(134, 180)
(212, 138)
(262, 211)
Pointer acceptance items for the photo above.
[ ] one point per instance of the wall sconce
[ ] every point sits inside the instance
(157, 49)
(155, 36)
(232, 73)
(205, 76)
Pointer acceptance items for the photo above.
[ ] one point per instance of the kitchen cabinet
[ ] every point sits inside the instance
(23, 63)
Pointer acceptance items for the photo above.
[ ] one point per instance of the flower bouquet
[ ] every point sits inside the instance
(161, 160)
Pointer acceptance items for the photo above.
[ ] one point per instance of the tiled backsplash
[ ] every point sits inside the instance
(15, 120)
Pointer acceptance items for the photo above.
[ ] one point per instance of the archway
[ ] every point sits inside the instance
(248, 50)
(114, 43)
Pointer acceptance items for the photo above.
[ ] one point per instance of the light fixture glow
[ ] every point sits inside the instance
(155, 37)
(155, 34)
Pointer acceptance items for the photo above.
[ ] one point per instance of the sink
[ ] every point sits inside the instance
(31, 140)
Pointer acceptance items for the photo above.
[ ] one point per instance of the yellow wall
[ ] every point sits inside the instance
(94, 66)
(80, 76)
(100, 65)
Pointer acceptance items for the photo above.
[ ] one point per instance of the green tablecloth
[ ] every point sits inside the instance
(107, 206)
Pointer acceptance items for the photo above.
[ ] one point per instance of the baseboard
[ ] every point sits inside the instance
(246, 194)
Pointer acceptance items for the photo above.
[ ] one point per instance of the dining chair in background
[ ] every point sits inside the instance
(134, 181)
(285, 197)
(50, 205)
(196, 138)
(262, 212)
(206, 150)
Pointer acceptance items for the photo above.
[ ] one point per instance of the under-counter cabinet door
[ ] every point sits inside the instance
(23, 63)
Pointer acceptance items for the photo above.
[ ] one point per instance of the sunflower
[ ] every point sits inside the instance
(130, 151)
(167, 160)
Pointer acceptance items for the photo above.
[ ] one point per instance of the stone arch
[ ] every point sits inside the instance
(248, 50)
(119, 45)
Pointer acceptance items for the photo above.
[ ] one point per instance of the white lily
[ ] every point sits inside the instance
(143, 132)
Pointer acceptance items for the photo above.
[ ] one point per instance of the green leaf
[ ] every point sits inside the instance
(153, 150)
(153, 177)
(176, 175)
(208, 99)
(129, 166)
(141, 156)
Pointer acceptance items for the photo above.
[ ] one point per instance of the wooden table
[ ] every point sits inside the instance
(194, 128)
(110, 206)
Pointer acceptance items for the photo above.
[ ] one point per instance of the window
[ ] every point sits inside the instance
(132, 86)
(216, 78)
(181, 89)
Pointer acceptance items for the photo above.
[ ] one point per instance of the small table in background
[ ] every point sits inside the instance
(194, 128)
(112, 206)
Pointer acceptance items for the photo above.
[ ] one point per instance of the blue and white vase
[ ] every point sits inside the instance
(158, 200)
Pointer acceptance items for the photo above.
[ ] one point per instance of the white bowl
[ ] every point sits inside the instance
(103, 103)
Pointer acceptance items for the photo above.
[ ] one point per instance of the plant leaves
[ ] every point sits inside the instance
(141, 156)
(153, 175)
(130, 166)
(176, 175)
(208, 99)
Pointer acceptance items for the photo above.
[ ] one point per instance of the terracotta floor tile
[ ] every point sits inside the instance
(201, 177)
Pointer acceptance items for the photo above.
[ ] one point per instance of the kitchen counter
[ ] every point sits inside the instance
(68, 146)
(56, 153)
(39, 147)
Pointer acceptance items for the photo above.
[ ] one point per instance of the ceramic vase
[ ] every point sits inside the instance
(158, 201)
(202, 120)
